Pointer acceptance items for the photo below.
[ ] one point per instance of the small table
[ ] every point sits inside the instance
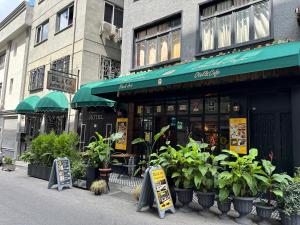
(104, 174)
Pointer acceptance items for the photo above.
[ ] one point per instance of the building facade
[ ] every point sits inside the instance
(14, 44)
(72, 43)
(220, 72)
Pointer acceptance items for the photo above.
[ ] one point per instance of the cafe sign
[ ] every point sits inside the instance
(59, 82)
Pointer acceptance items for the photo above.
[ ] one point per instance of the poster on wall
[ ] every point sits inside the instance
(122, 125)
(238, 135)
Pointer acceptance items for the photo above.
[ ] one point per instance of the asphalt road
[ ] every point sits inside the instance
(27, 201)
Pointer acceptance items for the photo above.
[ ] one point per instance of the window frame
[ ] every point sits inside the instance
(233, 11)
(157, 36)
(112, 22)
(36, 32)
(66, 64)
(40, 76)
(67, 8)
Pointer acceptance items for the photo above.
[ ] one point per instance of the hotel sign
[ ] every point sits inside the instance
(61, 82)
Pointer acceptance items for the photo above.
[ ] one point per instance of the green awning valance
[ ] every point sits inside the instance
(28, 105)
(260, 59)
(55, 101)
(84, 98)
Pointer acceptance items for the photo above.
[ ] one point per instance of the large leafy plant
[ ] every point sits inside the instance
(270, 182)
(150, 148)
(241, 178)
(292, 199)
(100, 151)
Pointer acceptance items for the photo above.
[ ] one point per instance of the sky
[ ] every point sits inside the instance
(7, 6)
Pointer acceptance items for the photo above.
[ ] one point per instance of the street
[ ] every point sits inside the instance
(27, 201)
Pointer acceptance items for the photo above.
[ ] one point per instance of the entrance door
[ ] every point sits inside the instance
(271, 134)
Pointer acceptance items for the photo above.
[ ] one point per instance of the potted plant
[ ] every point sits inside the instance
(79, 172)
(8, 164)
(206, 167)
(224, 200)
(291, 203)
(99, 151)
(269, 184)
(243, 181)
(150, 148)
(99, 187)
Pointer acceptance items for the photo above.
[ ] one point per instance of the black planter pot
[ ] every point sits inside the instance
(264, 212)
(206, 200)
(243, 205)
(185, 196)
(224, 207)
(38, 171)
(92, 174)
(289, 220)
(172, 189)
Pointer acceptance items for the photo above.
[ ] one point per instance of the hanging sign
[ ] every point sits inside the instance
(60, 174)
(238, 135)
(122, 125)
(155, 188)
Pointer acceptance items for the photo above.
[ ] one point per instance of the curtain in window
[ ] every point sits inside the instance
(140, 54)
(176, 44)
(151, 54)
(208, 11)
(261, 20)
(241, 2)
(222, 6)
(224, 31)
(207, 32)
(242, 26)
(163, 50)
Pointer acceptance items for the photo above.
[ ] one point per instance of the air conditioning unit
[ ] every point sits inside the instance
(108, 30)
(118, 37)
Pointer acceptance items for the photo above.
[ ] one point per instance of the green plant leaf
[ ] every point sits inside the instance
(161, 133)
(175, 174)
(138, 140)
(236, 188)
(268, 167)
(197, 181)
(203, 170)
(278, 193)
(223, 194)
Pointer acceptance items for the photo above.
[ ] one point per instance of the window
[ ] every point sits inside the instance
(113, 15)
(158, 43)
(11, 84)
(233, 22)
(65, 18)
(61, 65)
(42, 32)
(37, 78)
(109, 68)
(2, 60)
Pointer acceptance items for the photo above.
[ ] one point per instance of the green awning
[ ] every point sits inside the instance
(55, 101)
(28, 105)
(259, 59)
(84, 98)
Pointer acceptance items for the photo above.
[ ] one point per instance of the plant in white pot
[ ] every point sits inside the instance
(269, 184)
(243, 182)
(8, 164)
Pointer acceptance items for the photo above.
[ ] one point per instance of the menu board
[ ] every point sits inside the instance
(161, 189)
(238, 135)
(155, 188)
(60, 174)
(122, 124)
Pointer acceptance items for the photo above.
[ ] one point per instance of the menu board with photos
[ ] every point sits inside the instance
(238, 135)
(60, 174)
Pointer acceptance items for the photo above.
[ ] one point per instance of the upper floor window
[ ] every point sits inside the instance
(37, 78)
(110, 68)
(113, 15)
(65, 18)
(61, 65)
(42, 32)
(233, 22)
(2, 60)
(158, 43)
